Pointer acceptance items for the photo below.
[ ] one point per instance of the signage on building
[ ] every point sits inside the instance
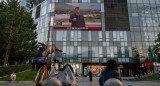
(79, 28)
(121, 66)
(86, 60)
(149, 64)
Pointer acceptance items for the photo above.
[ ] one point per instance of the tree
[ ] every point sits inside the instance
(157, 48)
(17, 29)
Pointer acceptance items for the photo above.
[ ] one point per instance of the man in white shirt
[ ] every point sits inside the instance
(13, 76)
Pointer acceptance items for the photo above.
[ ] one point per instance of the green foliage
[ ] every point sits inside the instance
(154, 77)
(6, 70)
(16, 26)
(157, 48)
(23, 76)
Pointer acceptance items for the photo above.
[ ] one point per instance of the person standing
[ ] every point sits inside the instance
(90, 74)
(77, 19)
(85, 72)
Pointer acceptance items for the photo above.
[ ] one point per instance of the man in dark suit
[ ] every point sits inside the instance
(77, 19)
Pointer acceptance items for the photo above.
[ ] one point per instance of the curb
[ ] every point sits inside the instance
(15, 81)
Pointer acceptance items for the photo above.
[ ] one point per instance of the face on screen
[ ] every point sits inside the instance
(77, 10)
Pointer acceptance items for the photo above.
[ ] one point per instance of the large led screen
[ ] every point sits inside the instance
(77, 16)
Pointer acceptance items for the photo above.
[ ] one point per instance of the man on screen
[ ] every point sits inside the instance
(77, 19)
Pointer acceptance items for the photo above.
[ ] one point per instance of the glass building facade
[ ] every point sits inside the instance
(26, 4)
(129, 29)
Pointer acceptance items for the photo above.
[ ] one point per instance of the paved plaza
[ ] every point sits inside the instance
(84, 82)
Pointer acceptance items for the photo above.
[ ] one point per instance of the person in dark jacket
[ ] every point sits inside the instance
(77, 19)
(90, 74)
(110, 72)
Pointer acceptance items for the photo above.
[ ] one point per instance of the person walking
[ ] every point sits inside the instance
(110, 72)
(85, 72)
(90, 74)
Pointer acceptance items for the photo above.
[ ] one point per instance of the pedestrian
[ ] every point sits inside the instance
(13, 77)
(110, 72)
(90, 74)
(113, 82)
(85, 72)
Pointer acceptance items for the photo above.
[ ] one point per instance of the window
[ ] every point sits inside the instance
(79, 51)
(102, 7)
(79, 35)
(75, 35)
(38, 11)
(51, 21)
(100, 52)
(100, 35)
(138, 1)
(84, 51)
(119, 59)
(43, 10)
(108, 52)
(107, 35)
(89, 35)
(93, 1)
(68, 51)
(64, 50)
(95, 60)
(59, 35)
(84, 1)
(95, 52)
(64, 35)
(71, 51)
(116, 15)
(72, 35)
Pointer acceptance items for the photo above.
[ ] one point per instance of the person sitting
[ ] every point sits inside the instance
(51, 82)
(110, 72)
(113, 82)
(13, 77)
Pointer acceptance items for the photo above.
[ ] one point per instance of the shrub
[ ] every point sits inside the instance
(6, 70)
